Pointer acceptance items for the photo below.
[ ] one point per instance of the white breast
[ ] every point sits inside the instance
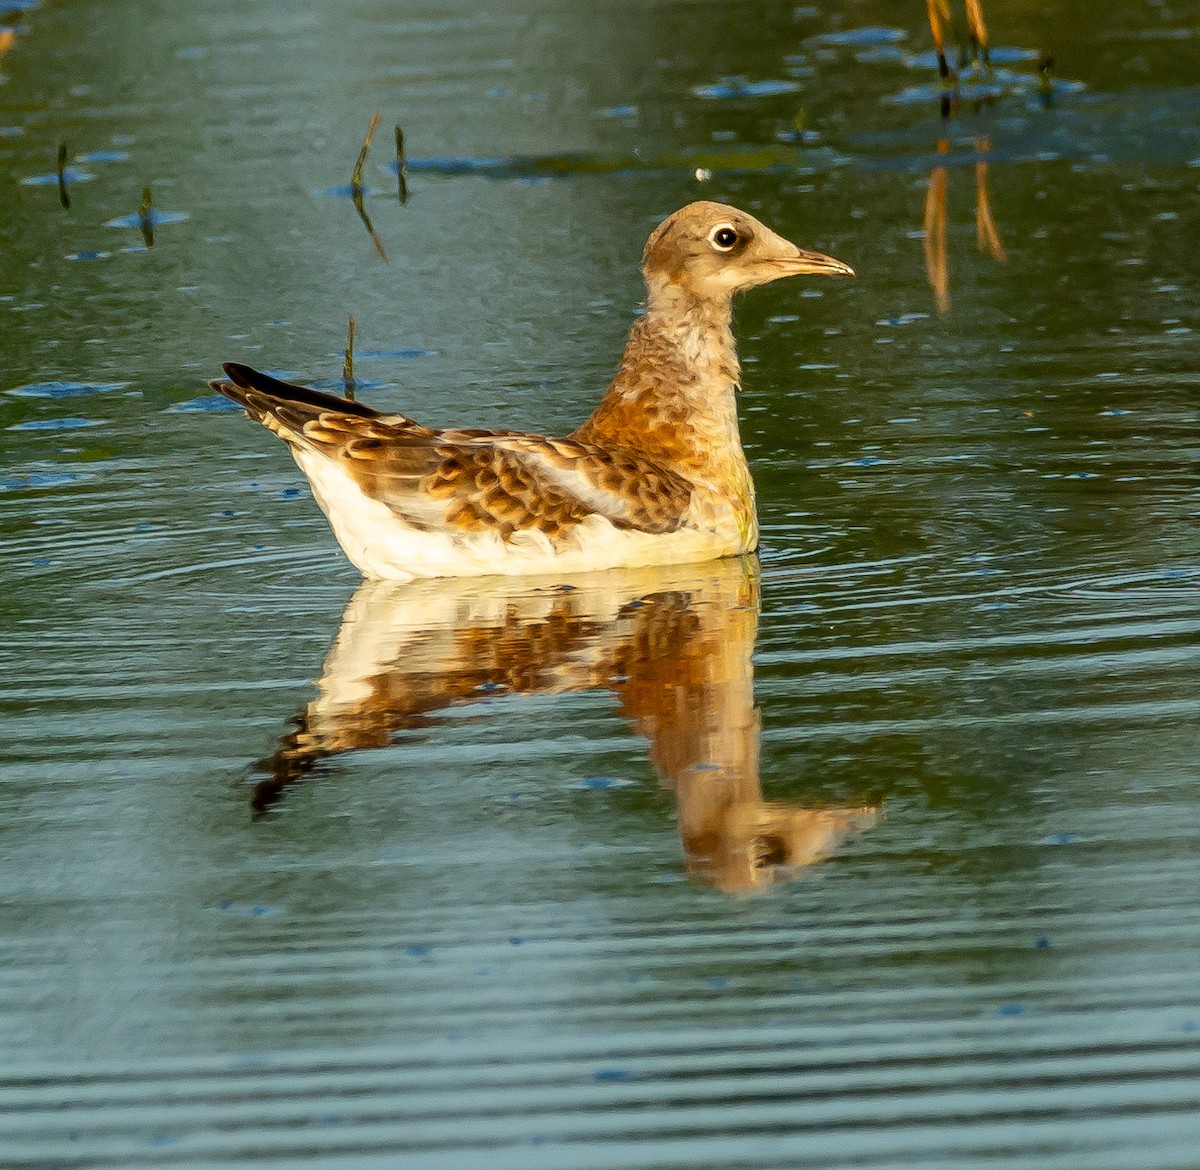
(383, 546)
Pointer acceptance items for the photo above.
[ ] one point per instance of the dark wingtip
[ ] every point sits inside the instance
(242, 375)
(247, 378)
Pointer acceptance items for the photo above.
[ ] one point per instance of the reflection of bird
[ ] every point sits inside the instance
(655, 476)
(674, 644)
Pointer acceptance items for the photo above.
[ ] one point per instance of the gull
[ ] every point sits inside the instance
(656, 476)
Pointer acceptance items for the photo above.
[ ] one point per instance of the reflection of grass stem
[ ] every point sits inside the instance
(63, 197)
(937, 266)
(401, 166)
(146, 218)
(348, 361)
(357, 197)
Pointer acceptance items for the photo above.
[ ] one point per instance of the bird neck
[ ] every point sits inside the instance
(673, 397)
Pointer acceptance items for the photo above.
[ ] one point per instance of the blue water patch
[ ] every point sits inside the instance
(462, 165)
(740, 87)
(57, 424)
(63, 389)
(7, 7)
(599, 783)
(152, 218)
(934, 92)
(346, 191)
(861, 37)
(1001, 55)
(36, 479)
(368, 355)
(978, 88)
(257, 910)
(881, 55)
(71, 174)
(614, 1076)
(205, 404)
(102, 156)
(87, 255)
(338, 386)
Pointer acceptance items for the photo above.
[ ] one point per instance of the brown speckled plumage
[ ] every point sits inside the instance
(660, 460)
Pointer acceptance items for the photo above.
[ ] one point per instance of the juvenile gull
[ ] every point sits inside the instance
(657, 475)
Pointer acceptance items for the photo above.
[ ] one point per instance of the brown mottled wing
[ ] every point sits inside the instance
(468, 480)
(502, 481)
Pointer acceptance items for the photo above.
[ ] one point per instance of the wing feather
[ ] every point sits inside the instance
(467, 481)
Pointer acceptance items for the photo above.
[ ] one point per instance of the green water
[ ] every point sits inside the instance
(884, 853)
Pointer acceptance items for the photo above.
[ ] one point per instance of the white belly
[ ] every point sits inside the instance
(383, 546)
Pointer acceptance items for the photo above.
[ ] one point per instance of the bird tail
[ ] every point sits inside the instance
(260, 394)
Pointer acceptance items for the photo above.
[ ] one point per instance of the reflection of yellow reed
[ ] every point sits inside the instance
(986, 234)
(937, 265)
(975, 24)
(941, 27)
(7, 37)
(939, 19)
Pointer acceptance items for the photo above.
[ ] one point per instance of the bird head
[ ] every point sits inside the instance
(709, 251)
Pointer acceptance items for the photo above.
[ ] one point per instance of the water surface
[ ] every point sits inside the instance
(883, 852)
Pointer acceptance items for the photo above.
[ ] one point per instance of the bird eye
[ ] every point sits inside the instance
(723, 237)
